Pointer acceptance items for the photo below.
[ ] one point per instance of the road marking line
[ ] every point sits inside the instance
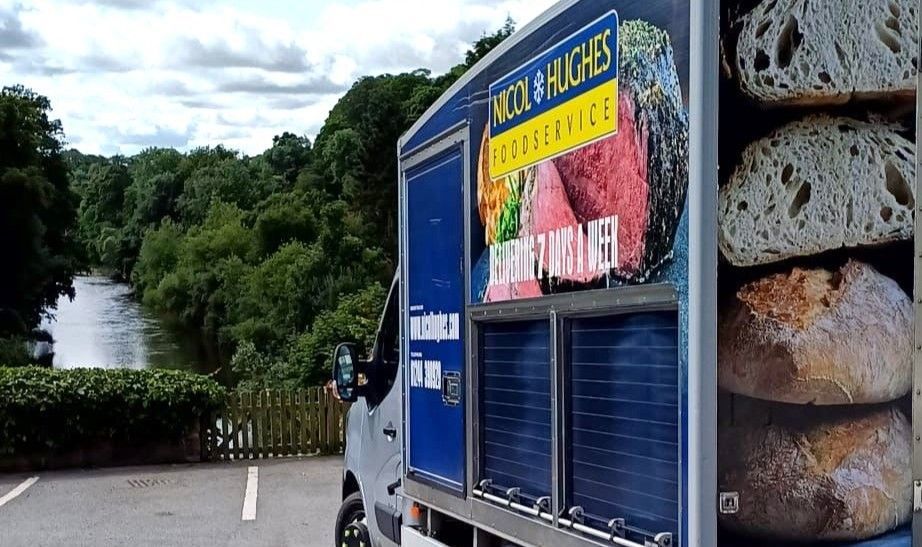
(249, 499)
(15, 492)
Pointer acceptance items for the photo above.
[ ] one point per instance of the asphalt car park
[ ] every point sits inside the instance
(260, 503)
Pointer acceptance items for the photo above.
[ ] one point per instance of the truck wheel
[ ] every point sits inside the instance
(351, 518)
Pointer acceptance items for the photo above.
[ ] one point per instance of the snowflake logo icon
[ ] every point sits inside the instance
(539, 87)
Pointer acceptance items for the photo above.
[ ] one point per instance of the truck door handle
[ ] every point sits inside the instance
(390, 431)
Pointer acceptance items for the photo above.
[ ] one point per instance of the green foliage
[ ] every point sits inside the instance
(38, 212)
(355, 319)
(288, 156)
(201, 266)
(257, 370)
(102, 192)
(285, 218)
(487, 43)
(305, 359)
(216, 178)
(277, 301)
(45, 409)
(14, 352)
(279, 256)
(158, 257)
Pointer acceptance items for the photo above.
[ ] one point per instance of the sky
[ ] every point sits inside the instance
(124, 75)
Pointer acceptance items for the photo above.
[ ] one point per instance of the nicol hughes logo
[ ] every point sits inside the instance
(559, 101)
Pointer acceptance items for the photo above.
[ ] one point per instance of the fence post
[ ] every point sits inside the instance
(285, 398)
(279, 427)
(249, 426)
(338, 424)
(270, 426)
(315, 421)
(203, 437)
(303, 413)
(264, 427)
(296, 426)
(224, 433)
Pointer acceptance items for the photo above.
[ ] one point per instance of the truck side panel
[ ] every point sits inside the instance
(435, 297)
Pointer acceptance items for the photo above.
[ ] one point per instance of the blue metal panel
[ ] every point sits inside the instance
(516, 406)
(435, 292)
(625, 419)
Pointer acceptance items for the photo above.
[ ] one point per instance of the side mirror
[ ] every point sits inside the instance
(346, 373)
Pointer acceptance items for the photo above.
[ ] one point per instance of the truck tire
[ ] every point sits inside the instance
(351, 511)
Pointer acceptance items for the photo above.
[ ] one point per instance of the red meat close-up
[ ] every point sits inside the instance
(546, 209)
(610, 178)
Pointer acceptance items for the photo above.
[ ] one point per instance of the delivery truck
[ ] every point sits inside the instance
(657, 267)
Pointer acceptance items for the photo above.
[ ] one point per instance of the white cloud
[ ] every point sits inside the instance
(126, 74)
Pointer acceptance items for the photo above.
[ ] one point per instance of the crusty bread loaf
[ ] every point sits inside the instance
(833, 473)
(818, 337)
(815, 185)
(826, 52)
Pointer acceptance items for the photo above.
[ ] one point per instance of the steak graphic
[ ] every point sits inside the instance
(547, 208)
(640, 174)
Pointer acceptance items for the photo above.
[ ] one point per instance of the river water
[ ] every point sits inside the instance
(105, 327)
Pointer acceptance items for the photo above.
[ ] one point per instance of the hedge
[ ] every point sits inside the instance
(47, 410)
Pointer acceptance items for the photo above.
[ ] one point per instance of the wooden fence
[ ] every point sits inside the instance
(275, 424)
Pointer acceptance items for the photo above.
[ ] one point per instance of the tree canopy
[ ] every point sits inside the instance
(38, 212)
(277, 256)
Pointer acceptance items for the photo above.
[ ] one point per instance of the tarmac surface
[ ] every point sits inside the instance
(296, 501)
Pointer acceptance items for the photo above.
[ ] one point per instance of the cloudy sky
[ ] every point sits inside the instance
(123, 75)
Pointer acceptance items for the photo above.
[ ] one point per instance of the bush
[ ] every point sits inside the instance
(44, 410)
(14, 352)
(355, 319)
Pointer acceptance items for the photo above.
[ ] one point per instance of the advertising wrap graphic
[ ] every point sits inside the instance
(582, 170)
(815, 327)
(559, 101)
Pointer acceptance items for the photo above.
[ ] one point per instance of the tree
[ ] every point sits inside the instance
(289, 155)
(488, 43)
(284, 218)
(153, 195)
(188, 291)
(38, 212)
(158, 257)
(226, 180)
(101, 213)
(358, 150)
(354, 319)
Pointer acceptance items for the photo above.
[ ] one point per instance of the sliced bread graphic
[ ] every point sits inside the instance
(827, 52)
(815, 185)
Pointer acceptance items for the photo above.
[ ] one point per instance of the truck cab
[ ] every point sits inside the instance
(372, 462)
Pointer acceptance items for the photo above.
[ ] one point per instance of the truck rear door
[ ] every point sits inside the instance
(433, 263)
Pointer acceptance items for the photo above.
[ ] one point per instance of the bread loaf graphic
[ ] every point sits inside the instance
(810, 52)
(816, 474)
(816, 185)
(818, 337)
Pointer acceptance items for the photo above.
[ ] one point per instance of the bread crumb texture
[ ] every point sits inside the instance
(829, 51)
(817, 337)
(839, 473)
(815, 185)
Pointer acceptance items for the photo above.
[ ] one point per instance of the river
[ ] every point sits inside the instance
(105, 327)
